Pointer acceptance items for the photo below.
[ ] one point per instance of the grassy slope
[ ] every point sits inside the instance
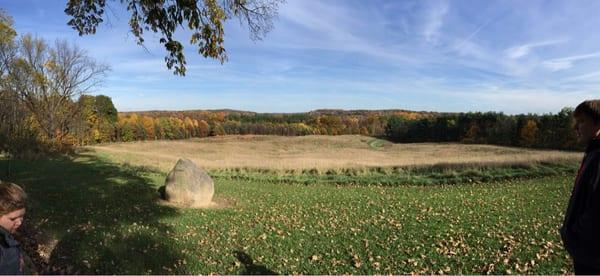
(402, 176)
(106, 220)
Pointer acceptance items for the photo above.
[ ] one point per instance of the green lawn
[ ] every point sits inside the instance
(105, 218)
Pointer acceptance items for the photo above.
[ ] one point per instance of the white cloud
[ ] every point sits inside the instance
(587, 77)
(434, 21)
(534, 100)
(558, 64)
(520, 51)
(335, 28)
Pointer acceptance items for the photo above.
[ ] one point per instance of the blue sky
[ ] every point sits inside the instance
(453, 56)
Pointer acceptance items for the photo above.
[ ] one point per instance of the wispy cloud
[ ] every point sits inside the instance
(558, 64)
(434, 20)
(590, 77)
(532, 100)
(413, 54)
(523, 50)
(334, 28)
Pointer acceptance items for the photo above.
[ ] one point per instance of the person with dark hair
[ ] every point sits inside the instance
(12, 211)
(580, 232)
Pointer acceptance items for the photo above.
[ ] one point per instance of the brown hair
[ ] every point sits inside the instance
(590, 108)
(12, 197)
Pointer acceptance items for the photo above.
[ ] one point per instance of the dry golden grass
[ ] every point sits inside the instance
(319, 152)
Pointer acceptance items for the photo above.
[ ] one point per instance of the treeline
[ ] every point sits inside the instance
(154, 125)
(554, 131)
(540, 131)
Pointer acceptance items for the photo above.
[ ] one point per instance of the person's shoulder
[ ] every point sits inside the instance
(595, 156)
(593, 169)
(4, 240)
(7, 239)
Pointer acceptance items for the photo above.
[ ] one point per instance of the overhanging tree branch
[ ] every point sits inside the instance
(205, 18)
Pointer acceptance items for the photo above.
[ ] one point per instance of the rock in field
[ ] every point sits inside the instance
(188, 185)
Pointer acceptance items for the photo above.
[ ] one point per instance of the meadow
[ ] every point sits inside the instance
(99, 211)
(321, 153)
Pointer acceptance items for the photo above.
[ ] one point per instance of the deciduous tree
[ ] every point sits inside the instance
(47, 79)
(204, 18)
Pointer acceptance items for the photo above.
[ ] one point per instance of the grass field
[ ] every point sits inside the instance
(321, 153)
(95, 214)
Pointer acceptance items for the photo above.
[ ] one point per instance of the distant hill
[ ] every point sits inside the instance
(317, 112)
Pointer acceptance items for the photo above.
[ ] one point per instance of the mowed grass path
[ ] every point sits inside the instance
(103, 217)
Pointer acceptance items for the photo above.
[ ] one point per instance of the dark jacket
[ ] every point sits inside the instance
(10, 254)
(580, 232)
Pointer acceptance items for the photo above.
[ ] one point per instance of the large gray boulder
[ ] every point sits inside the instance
(189, 185)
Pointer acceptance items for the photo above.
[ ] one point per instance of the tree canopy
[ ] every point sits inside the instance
(38, 85)
(205, 18)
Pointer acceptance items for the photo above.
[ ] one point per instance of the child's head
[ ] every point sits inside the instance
(12, 206)
(587, 120)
